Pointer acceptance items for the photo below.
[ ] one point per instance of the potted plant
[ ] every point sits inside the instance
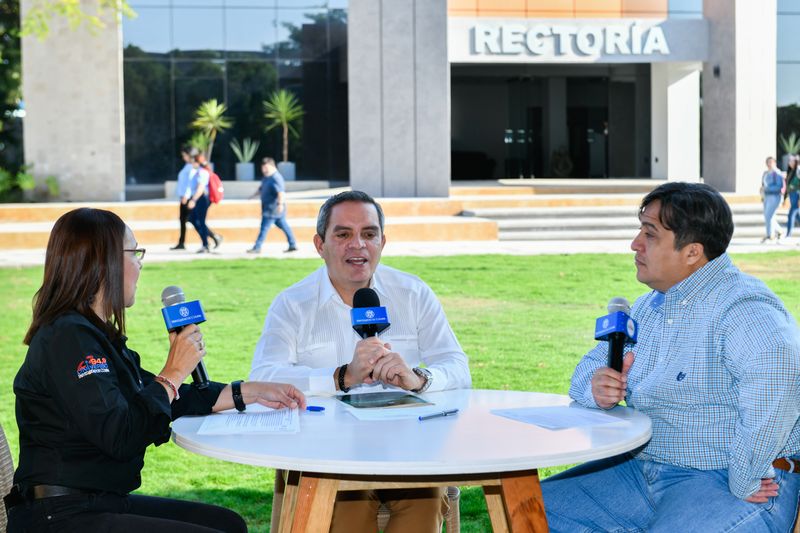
(283, 109)
(245, 170)
(200, 141)
(791, 146)
(210, 119)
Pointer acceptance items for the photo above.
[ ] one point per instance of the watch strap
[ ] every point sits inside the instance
(238, 399)
(340, 378)
(425, 374)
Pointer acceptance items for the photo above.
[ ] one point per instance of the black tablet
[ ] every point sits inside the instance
(382, 399)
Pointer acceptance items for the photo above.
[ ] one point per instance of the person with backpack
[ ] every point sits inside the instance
(772, 186)
(199, 202)
(792, 193)
(273, 206)
(183, 194)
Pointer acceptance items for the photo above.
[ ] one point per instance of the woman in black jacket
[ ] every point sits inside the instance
(85, 407)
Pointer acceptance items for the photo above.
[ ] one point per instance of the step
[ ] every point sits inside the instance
(602, 234)
(422, 228)
(555, 186)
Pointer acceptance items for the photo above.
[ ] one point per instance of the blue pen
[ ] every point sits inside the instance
(437, 415)
(314, 408)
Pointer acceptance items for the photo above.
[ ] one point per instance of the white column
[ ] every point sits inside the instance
(399, 97)
(675, 121)
(74, 126)
(739, 93)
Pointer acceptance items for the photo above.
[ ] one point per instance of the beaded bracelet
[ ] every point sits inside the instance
(170, 384)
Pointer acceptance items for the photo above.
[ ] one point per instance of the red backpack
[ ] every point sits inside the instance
(216, 192)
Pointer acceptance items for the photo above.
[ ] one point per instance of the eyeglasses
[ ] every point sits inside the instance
(138, 253)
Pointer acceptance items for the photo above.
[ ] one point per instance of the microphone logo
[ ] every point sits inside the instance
(184, 311)
(605, 322)
(631, 328)
(369, 313)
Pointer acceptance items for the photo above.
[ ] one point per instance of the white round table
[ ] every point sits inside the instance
(336, 451)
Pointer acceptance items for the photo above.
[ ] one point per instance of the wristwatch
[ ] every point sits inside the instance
(238, 400)
(426, 375)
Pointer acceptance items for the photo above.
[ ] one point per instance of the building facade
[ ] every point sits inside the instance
(402, 96)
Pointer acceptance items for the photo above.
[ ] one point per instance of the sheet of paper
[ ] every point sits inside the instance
(392, 414)
(251, 422)
(558, 417)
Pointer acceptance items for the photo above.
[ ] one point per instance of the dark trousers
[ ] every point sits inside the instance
(198, 218)
(121, 514)
(183, 216)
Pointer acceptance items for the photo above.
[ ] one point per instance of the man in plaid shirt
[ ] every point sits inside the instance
(716, 368)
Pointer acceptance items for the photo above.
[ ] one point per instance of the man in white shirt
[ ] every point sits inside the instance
(308, 341)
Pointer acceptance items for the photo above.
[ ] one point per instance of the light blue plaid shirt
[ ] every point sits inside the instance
(717, 369)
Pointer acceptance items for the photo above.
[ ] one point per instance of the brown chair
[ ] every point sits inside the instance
(6, 477)
(452, 520)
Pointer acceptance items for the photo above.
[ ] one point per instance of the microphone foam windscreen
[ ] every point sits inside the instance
(172, 295)
(619, 304)
(366, 297)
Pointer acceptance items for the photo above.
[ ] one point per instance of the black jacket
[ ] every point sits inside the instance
(86, 410)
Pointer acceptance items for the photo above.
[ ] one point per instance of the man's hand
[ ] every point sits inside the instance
(392, 370)
(368, 352)
(608, 385)
(769, 489)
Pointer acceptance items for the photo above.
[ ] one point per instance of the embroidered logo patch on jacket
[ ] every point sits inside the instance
(92, 365)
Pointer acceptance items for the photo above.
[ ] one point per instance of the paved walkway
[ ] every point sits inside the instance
(161, 253)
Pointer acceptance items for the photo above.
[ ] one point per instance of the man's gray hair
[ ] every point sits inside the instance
(324, 215)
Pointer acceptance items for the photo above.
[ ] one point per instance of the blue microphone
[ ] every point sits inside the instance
(369, 319)
(178, 313)
(618, 329)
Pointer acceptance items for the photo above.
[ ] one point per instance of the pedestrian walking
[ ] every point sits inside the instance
(273, 205)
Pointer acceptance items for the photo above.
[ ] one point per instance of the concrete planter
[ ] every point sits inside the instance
(245, 171)
(287, 170)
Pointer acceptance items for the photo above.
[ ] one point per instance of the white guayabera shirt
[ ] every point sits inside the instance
(307, 333)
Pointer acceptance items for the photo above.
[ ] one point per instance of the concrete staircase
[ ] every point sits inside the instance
(539, 210)
(603, 222)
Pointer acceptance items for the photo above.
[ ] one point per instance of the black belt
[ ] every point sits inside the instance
(37, 492)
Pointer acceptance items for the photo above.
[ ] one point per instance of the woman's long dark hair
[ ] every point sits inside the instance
(84, 258)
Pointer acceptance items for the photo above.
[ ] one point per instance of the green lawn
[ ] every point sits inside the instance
(523, 321)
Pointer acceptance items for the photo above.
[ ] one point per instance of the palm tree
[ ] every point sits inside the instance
(283, 108)
(209, 118)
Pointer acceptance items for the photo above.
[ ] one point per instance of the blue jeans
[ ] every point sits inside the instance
(198, 218)
(266, 222)
(794, 211)
(627, 494)
(771, 203)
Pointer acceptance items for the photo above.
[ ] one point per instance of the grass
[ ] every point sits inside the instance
(523, 321)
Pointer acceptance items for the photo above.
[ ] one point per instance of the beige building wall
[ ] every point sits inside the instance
(74, 127)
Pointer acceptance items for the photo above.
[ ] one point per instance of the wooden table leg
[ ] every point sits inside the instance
(517, 506)
(290, 490)
(314, 509)
(494, 504)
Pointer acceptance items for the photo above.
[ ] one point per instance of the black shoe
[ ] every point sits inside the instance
(217, 238)
(290, 249)
(204, 250)
(254, 250)
(178, 246)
